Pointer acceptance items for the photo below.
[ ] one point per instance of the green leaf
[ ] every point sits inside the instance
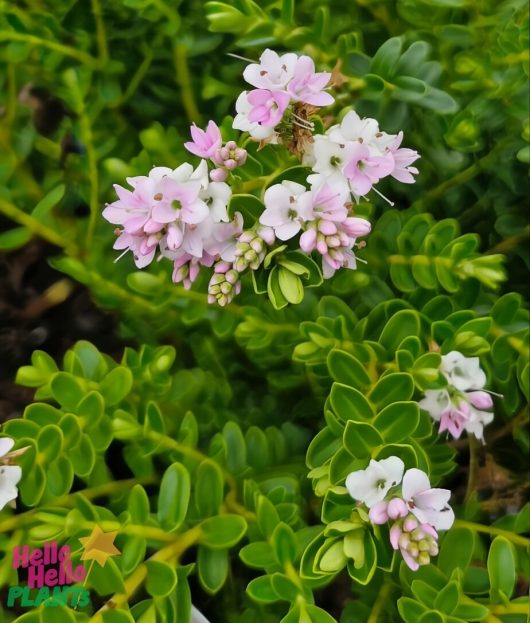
(360, 438)
(284, 544)
(250, 207)
(66, 390)
(410, 609)
(318, 615)
(268, 517)
(402, 324)
(391, 388)
(261, 590)
(456, 550)
(349, 403)
(274, 290)
(223, 531)
(364, 574)
(117, 616)
(209, 488)
(48, 202)
(501, 569)
(174, 497)
(290, 285)
(116, 385)
(138, 505)
(347, 369)
(398, 421)
(14, 238)
(448, 598)
(212, 567)
(386, 58)
(161, 578)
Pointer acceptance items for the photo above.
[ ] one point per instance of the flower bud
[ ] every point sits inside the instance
(480, 400)
(378, 514)
(218, 175)
(397, 508)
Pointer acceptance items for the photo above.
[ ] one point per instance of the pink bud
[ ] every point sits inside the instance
(308, 240)
(218, 175)
(410, 524)
(355, 226)
(395, 533)
(267, 235)
(397, 508)
(378, 513)
(428, 529)
(221, 267)
(230, 164)
(480, 400)
(322, 247)
(328, 228)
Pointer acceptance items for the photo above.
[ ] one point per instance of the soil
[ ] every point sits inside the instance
(41, 309)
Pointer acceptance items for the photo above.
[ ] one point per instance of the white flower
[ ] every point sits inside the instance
(436, 402)
(353, 128)
(428, 505)
(371, 485)
(10, 475)
(273, 71)
(282, 211)
(476, 422)
(464, 373)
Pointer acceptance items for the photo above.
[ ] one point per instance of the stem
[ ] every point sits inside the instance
(36, 227)
(380, 602)
(516, 539)
(174, 550)
(180, 59)
(510, 243)
(65, 50)
(137, 78)
(86, 134)
(474, 448)
(103, 50)
(109, 488)
(511, 608)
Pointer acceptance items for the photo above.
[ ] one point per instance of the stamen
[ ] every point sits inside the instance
(383, 197)
(302, 120)
(360, 259)
(300, 125)
(241, 58)
(120, 256)
(488, 391)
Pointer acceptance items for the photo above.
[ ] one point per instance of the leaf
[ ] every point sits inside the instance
(386, 57)
(212, 566)
(209, 488)
(360, 438)
(161, 578)
(349, 403)
(174, 497)
(250, 207)
(116, 385)
(223, 531)
(402, 324)
(347, 369)
(501, 569)
(456, 550)
(14, 238)
(290, 286)
(398, 421)
(391, 388)
(66, 390)
(284, 544)
(49, 201)
(261, 590)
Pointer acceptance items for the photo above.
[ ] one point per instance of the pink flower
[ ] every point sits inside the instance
(416, 543)
(454, 419)
(363, 170)
(307, 85)
(267, 107)
(403, 158)
(325, 202)
(180, 200)
(428, 505)
(273, 72)
(205, 143)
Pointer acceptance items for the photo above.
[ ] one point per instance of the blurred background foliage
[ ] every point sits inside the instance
(91, 92)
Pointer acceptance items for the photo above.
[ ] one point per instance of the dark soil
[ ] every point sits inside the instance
(41, 309)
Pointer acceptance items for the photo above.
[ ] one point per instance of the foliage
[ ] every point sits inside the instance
(217, 447)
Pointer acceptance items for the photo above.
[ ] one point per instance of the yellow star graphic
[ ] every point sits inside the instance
(99, 546)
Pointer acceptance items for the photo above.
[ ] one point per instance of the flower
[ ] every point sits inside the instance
(10, 475)
(205, 143)
(403, 158)
(364, 169)
(428, 505)
(371, 485)
(307, 85)
(273, 72)
(224, 284)
(282, 211)
(242, 122)
(267, 107)
(460, 406)
(464, 373)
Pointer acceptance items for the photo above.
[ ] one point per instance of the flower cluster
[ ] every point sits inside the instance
(416, 512)
(279, 81)
(10, 475)
(356, 155)
(183, 214)
(460, 406)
